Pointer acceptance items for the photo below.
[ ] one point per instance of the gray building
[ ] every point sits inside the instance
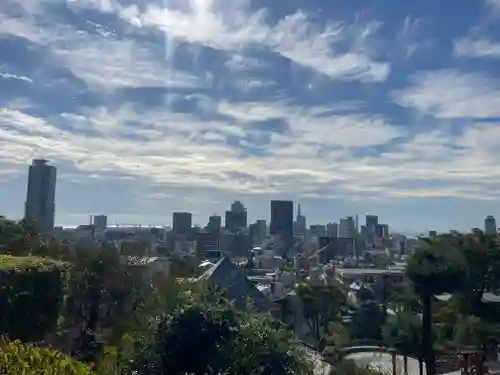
(236, 218)
(101, 221)
(282, 218)
(182, 222)
(214, 223)
(490, 225)
(41, 194)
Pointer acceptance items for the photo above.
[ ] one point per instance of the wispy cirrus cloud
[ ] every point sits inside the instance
(213, 99)
(477, 47)
(451, 94)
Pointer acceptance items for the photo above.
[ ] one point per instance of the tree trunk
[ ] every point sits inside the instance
(426, 348)
(405, 364)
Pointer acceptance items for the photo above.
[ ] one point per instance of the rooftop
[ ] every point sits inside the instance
(353, 272)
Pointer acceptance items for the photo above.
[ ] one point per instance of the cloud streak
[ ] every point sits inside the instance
(233, 98)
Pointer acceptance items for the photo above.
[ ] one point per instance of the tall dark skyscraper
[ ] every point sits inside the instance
(41, 194)
(371, 221)
(182, 222)
(282, 218)
(214, 223)
(236, 217)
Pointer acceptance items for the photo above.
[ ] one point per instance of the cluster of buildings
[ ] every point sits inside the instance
(275, 256)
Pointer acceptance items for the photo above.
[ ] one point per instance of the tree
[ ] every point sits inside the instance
(435, 267)
(18, 237)
(404, 298)
(321, 304)
(367, 322)
(403, 332)
(105, 300)
(222, 339)
(472, 331)
(17, 358)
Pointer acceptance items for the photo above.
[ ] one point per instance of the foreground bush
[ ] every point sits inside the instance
(19, 359)
(31, 295)
(214, 338)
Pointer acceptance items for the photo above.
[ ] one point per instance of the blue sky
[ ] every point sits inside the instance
(346, 106)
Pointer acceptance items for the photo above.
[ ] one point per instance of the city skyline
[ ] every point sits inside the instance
(285, 218)
(36, 189)
(343, 107)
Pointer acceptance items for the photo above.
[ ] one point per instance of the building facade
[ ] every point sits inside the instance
(282, 218)
(182, 222)
(40, 197)
(490, 225)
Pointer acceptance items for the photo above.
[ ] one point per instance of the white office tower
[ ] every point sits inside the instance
(490, 225)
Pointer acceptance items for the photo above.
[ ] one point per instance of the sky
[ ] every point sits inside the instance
(346, 106)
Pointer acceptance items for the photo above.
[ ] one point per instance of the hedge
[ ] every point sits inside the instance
(17, 358)
(31, 295)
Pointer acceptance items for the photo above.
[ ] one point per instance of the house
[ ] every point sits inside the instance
(235, 284)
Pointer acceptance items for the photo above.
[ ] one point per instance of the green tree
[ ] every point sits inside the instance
(106, 299)
(472, 331)
(404, 298)
(403, 332)
(321, 304)
(17, 358)
(435, 267)
(367, 322)
(18, 237)
(223, 340)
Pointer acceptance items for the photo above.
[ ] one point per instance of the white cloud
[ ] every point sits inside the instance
(16, 77)
(476, 47)
(325, 150)
(103, 62)
(239, 62)
(451, 94)
(231, 27)
(494, 4)
(464, 162)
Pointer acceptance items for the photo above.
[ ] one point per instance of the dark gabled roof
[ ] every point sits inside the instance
(237, 286)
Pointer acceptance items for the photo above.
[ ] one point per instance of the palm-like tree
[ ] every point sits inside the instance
(435, 267)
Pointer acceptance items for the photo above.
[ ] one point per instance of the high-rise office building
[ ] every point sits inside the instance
(282, 219)
(300, 223)
(100, 221)
(490, 225)
(236, 217)
(317, 230)
(214, 223)
(371, 221)
(382, 231)
(182, 222)
(347, 227)
(332, 230)
(41, 194)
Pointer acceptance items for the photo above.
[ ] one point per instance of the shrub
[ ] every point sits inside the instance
(31, 295)
(17, 358)
(223, 341)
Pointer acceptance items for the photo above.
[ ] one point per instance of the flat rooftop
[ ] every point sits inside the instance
(353, 272)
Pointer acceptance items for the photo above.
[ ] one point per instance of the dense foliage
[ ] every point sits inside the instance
(98, 308)
(31, 295)
(203, 338)
(24, 359)
(321, 305)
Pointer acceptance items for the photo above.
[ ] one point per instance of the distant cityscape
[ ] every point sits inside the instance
(230, 235)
